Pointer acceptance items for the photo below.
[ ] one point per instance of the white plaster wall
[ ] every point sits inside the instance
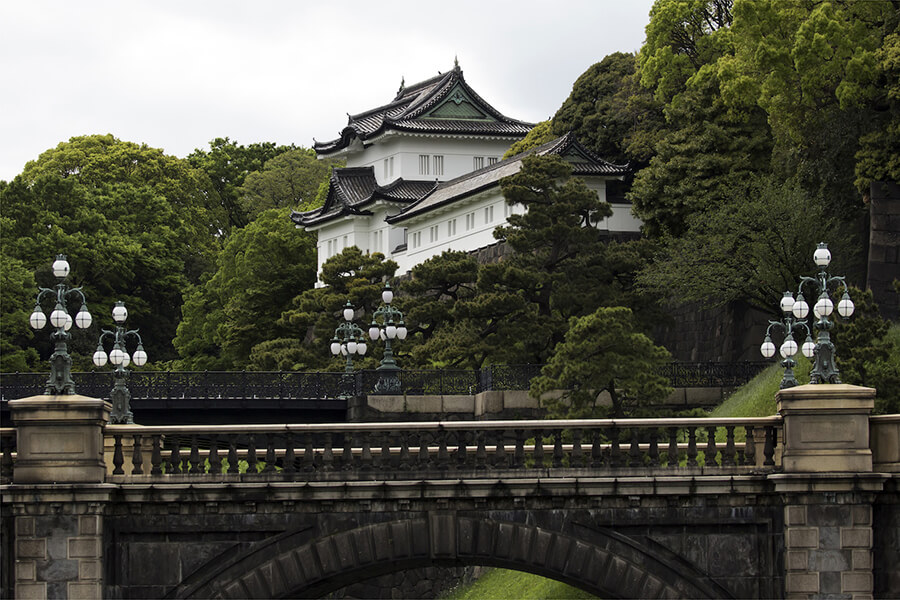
(458, 156)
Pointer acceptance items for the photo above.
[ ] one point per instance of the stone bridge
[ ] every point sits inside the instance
(803, 504)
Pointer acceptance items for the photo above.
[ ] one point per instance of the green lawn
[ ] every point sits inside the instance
(501, 584)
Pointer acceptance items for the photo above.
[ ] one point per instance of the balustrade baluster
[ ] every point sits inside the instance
(233, 466)
(365, 459)
(480, 452)
(175, 456)
(6, 460)
(443, 458)
(195, 456)
(728, 457)
(328, 454)
(711, 450)
(384, 462)
(404, 452)
(615, 452)
(309, 455)
(252, 460)
(500, 458)
(461, 452)
(347, 453)
(288, 461)
(156, 457)
(577, 459)
(557, 448)
(769, 450)
(596, 449)
(215, 461)
(423, 460)
(673, 447)
(654, 448)
(692, 447)
(519, 455)
(538, 449)
(271, 459)
(634, 451)
(137, 455)
(118, 458)
(750, 447)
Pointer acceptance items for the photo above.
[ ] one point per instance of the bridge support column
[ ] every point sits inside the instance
(828, 489)
(58, 497)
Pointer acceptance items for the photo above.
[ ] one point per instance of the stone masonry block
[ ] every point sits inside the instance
(89, 525)
(802, 537)
(88, 547)
(801, 583)
(24, 526)
(31, 591)
(856, 537)
(795, 515)
(25, 570)
(857, 581)
(79, 590)
(31, 549)
(797, 560)
(862, 515)
(90, 569)
(862, 560)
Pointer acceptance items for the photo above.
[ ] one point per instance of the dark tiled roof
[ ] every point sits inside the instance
(583, 162)
(410, 111)
(351, 190)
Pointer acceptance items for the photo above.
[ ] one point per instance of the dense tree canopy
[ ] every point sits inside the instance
(290, 180)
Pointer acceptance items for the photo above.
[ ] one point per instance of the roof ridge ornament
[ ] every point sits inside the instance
(402, 85)
(456, 62)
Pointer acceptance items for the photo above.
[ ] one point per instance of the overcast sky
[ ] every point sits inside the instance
(175, 74)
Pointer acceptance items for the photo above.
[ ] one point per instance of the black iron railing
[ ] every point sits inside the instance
(297, 385)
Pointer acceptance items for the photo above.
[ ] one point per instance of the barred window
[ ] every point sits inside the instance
(478, 162)
(438, 165)
(424, 161)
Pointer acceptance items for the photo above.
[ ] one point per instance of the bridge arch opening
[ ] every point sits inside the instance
(311, 565)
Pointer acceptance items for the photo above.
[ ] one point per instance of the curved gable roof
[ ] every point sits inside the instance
(442, 104)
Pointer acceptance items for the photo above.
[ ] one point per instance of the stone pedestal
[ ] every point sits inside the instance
(59, 439)
(826, 428)
(829, 489)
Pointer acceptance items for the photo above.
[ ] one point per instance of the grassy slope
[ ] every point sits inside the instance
(754, 399)
(500, 584)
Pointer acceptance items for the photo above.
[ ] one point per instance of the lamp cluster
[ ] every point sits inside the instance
(795, 312)
(118, 355)
(389, 329)
(348, 338)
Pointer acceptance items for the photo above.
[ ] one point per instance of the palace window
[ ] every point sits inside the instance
(433, 233)
(451, 227)
(492, 160)
(438, 165)
(470, 221)
(424, 161)
(417, 239)
(478, 162)
(489, 214)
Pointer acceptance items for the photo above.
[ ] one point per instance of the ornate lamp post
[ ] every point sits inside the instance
(788, 349)
(824, 370)
(120, 397)
(348, 340)
(391, 327)
(60, 381)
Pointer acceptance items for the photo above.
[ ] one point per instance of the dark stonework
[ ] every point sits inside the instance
(886, 543)
(424, 583)
(729, 333)
(884, 247)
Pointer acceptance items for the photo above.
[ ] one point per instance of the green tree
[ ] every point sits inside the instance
(17, 292)
(539, 134)
(602, 351)
(312, 316)
(124, 241)
(752, 246)
(259, 271)
(227, 165)
(290, 180)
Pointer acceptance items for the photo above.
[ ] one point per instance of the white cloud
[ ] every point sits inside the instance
(177, 74)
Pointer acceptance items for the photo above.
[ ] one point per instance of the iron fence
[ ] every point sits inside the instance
(298, 385)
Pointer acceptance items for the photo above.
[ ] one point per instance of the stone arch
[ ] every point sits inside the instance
(303, 565)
